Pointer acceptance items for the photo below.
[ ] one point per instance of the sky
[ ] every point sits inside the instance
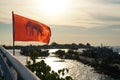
(71, 21)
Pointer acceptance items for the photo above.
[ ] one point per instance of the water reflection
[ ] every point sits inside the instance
(77, 70)
(53, 62)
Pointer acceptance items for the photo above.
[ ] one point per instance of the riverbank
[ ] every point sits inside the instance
(112, 70)
(102, 59)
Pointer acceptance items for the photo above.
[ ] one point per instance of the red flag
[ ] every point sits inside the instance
(29, 30)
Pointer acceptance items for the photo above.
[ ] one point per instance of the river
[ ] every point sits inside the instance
(77, 70)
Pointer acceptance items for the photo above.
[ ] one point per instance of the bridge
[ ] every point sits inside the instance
(12, 69)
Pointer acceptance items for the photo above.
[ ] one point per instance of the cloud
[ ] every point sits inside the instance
(5, 20)
(110, 1)
(115, 28)
(67, 26)
(110, 30)
(106, 1)
(106, 17)
(109, 27)
(85, 13)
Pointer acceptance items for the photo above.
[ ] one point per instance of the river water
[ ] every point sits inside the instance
(77, 70)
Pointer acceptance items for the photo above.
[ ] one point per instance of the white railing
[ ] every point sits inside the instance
(12, 69)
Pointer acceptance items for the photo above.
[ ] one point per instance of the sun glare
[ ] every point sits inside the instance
(54, 7)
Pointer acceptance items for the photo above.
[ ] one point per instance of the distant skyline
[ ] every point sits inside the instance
(71, 21)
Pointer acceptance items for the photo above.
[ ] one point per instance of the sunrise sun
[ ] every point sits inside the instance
(54, 7)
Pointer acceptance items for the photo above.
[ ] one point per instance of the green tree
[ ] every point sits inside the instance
(44, 72)
(34, 55)
(60, 53)
(54, 43)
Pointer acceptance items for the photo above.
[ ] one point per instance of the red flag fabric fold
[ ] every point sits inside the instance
(26, 29)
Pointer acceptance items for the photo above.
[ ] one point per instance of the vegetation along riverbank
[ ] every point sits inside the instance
(102, 59)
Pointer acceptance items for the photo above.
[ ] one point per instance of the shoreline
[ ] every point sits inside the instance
(112, 70)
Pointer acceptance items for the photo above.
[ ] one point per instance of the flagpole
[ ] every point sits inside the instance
(13, 33)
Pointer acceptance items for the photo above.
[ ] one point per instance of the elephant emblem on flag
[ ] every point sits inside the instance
(31, 28)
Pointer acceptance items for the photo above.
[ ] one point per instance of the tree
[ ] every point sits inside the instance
(44, 72)
(34, 55)
(54, 43)
(29, 51)
(88, 45)
(60, 53)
